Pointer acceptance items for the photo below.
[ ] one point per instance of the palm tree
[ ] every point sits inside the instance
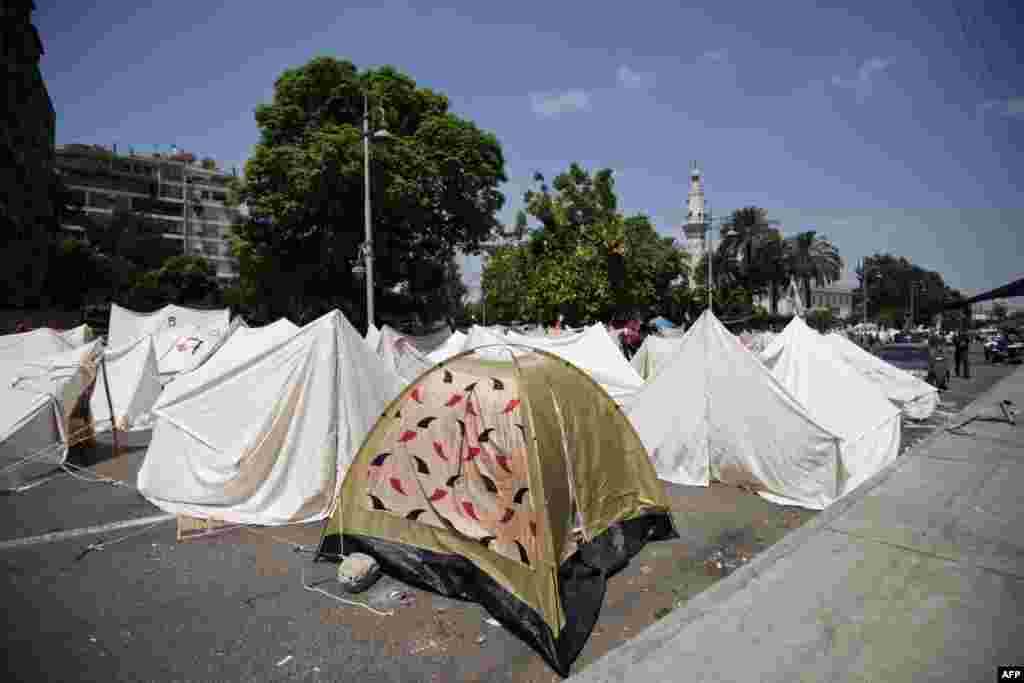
(744, 235)
(813, 259)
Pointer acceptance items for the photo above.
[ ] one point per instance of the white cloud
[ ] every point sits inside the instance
(554, 104)
(862, 83)
(715, 56)
(1011, 106)
(634, 81)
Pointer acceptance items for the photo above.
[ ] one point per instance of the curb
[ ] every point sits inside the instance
(660, 632)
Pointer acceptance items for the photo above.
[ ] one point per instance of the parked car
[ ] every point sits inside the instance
(1008, 347)
(921, 360)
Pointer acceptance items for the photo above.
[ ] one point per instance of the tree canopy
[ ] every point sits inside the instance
(585, 260)
(434, 187)
(890, 279)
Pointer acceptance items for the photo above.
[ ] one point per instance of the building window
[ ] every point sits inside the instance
(173, 191)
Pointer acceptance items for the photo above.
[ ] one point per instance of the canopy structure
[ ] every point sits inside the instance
(133, 389)
(1007, 291)
(716, 413)
(449, 348)
(265, 436)
(594, 352)
(398, 353)
(917, 399)
(517, 484)
(43, 387)
(839, 398)
(654, 355)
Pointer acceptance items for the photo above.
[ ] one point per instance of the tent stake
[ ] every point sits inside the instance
(110, 403)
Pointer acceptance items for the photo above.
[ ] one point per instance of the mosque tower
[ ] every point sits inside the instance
(696, 219)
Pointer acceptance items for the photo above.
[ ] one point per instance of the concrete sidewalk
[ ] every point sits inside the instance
(917, 576)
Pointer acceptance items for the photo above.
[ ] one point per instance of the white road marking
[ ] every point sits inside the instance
(55, 536)
(38, 482)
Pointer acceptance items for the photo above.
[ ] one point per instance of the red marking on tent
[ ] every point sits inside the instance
(437, 495)
(473, 452)
(503, 462)
(510, 406)
(396, 484)
(509, 514)
(416, 395)
(468, 507)
(439, 449)
(407, 436)
(453, 401)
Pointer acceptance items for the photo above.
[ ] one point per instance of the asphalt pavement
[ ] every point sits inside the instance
(145, 608)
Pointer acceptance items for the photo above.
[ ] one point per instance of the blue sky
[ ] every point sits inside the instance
(896, 127)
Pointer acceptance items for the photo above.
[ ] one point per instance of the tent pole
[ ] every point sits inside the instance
(110, 403)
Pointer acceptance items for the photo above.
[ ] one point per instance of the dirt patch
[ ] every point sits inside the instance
(124, 468)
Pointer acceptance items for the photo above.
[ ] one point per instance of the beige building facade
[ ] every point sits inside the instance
(186, 201)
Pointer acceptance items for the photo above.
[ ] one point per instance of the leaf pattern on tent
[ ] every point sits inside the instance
(456, 460)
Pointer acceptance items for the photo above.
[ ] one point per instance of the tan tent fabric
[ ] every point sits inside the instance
(499, 462)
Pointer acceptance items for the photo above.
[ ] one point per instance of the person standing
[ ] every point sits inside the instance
(961, 346)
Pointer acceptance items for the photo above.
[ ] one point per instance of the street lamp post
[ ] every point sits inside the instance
(368, 236)
(708, 244)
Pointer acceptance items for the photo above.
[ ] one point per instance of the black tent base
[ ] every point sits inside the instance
(582, 579)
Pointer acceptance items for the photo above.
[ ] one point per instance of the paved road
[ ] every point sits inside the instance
(961, 391)
(146, 608)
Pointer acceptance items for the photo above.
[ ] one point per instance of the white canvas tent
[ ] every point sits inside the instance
(134, 387)
(372, 336)
(427, 343)
(449, 348)
(917, 399)
(243, 343)
(182, 337)
(716, 413)
(268, 439)
(654, 355)
(838, 398)
(42, 382)
(127, 325)
(398, 353)
(77, 336)
(183, 348)
(591, 350)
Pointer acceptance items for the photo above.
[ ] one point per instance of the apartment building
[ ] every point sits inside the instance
(184, 199)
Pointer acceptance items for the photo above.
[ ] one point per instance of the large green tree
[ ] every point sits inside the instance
(584, 260)
(434, 185)
(890, 281)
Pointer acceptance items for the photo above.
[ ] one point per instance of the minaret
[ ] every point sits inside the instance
(696, 220)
